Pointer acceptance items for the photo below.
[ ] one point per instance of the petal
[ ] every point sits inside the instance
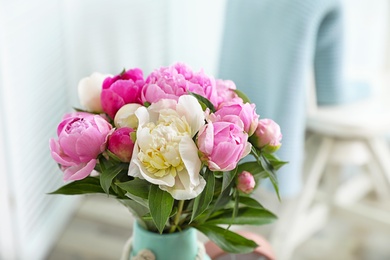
(58, 155)
(137, 168)
(67, 143)
(143, 116)
(111, 102)
(88, 145)
(133, 167)
(102, 125)
(80, 171)
(189, 155)
(152, 93)
(179, 193)
(189, 107)
(206, 139)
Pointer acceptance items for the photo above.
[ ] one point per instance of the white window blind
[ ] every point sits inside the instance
(33, 98)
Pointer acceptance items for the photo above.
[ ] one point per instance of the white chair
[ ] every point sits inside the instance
(352, 136)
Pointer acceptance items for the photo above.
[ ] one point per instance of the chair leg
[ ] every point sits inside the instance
(282, 238)
(381, 152)
(381, 188)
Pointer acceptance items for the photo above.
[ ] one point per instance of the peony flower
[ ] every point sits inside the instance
(125, 117)
(204, 85)
(90, 89)
(223, 144)
(246, 112)
(81, 138)
(245, 182)
(225, 91)
(166, 83)
(122, 89)
(165, 153)
(121, 144)
(176, 80)
(267, 136)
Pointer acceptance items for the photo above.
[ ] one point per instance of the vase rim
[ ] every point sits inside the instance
(179, 233)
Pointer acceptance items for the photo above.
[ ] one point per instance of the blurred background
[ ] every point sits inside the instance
(46, 47)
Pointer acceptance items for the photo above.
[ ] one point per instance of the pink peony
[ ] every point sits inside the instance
(245, 182)
(205, 86)
(81, 138)
(166, 83)
(122, 89)
(267, 136)
(176, 80)
(225, 91)
(246, 112)
(120, 143)
(222, 145)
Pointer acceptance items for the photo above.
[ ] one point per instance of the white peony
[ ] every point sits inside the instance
(125, 117)
(165, 153)
(89, 89)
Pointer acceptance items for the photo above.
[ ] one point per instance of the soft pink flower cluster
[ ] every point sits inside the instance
(122, 107)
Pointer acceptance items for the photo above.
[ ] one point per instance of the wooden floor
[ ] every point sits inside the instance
(101, 226)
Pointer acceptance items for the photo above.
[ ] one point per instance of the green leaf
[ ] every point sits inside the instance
(274, 161)
(160, 205)
(223, 199)
(242, 96)
(135, 208)
(203, 100)
(235, 209)
(227, 240)
(250, 202)
(142, 201)
(107, 175)
(227, 178)
(137, 187)
(271, 173)
(84, 186)
(202, 201)
(245, 216)
(252, 167)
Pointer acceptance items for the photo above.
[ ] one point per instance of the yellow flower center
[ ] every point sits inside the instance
(162, 157)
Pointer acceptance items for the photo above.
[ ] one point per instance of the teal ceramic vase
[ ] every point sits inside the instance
(175, 246)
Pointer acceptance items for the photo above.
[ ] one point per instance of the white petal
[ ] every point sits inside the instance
(133, 167)
(179, 193)
(189, 154)
(125, 116)
(89, 90)
(144, 138)
(137, 169)
(189, 107)
(142, 115)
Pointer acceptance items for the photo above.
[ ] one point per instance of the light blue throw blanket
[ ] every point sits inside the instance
(268, 49)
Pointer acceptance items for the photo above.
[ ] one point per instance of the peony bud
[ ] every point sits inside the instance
(267, 136)
(245, 182)
(89, 89)
(125, 116)
(120, 143)
(81, 138)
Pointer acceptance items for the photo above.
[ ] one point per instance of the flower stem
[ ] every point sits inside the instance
(177, 216)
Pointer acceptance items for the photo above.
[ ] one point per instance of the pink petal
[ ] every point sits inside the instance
(80, 171)
(58, 155)
(88, 145)
(111, 102)
(68, 145)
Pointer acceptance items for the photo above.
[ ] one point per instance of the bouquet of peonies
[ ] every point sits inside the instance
(170, 148)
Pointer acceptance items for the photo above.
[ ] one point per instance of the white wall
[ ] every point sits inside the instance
(32, 100)
(196, 31)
